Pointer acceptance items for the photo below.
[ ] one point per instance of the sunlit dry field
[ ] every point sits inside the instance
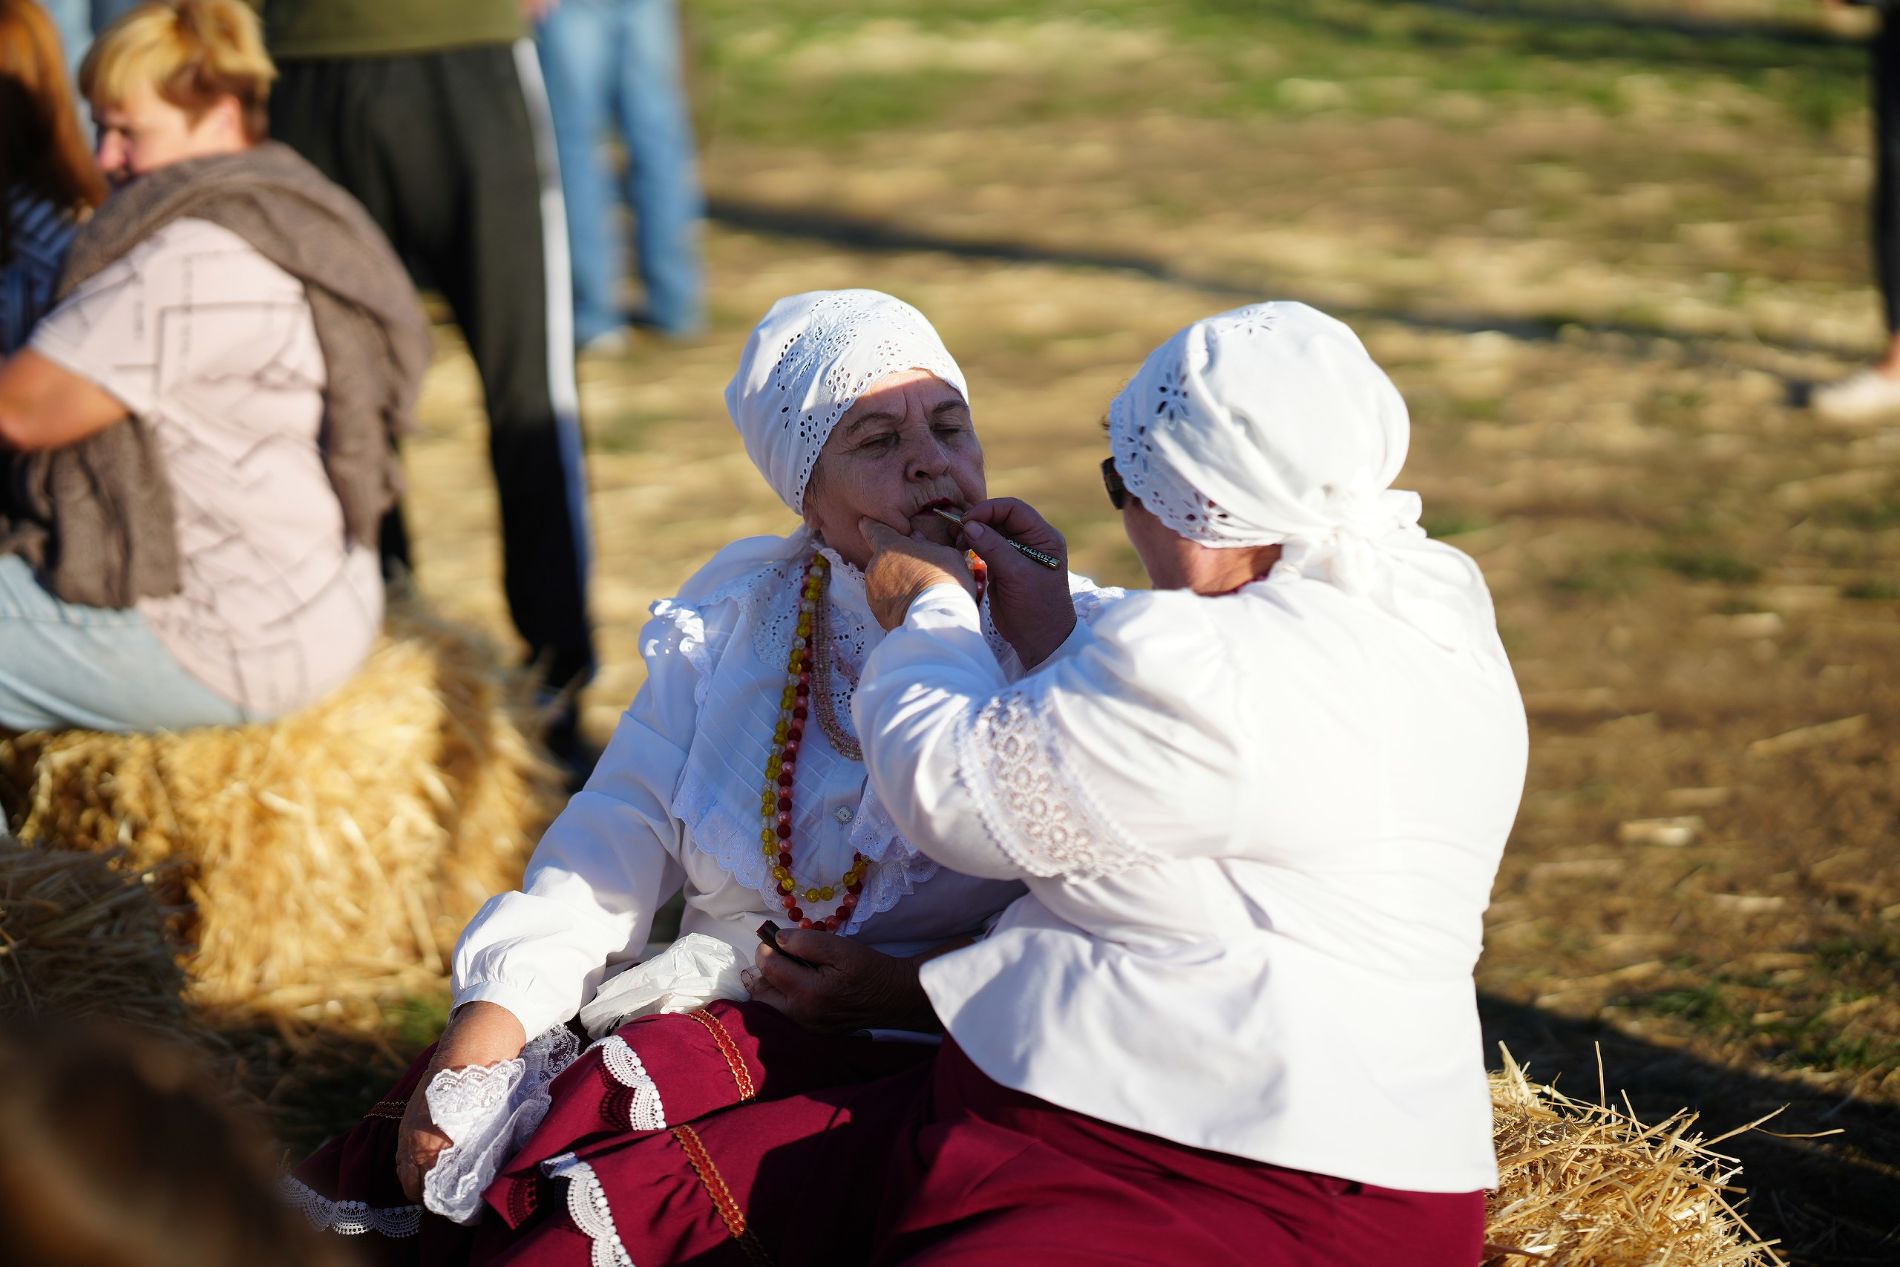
(1601, 247)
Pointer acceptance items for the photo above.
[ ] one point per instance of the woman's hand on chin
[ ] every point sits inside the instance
(477, 1034)
(847, 987)
(902, 568)
(1029, 602)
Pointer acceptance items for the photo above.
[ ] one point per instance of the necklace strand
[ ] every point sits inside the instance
(810, 647)
(822, 701)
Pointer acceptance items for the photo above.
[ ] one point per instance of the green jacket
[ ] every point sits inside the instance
(370, 28)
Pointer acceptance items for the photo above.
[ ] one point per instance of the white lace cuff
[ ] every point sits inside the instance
(488, 1112)
(1033, 806)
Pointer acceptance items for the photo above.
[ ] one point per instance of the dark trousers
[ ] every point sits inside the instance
(1886, 209)
(452, 154)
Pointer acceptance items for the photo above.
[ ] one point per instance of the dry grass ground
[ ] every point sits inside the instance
(1599, 253)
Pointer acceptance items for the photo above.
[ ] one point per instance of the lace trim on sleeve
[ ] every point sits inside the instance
(349, 1218)
(645, 1110)
(587, 1205)
(488, 1112)
(1033, 805)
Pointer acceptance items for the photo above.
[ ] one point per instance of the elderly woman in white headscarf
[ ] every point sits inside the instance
(734, 778)
(1258, 811)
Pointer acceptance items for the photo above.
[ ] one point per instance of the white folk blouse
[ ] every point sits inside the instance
(674, 802)
(1259, 833)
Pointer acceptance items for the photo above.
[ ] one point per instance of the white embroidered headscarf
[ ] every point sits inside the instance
(808, 362)
(1272, 425)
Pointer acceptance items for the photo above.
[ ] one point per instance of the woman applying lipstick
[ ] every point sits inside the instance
(735, 778)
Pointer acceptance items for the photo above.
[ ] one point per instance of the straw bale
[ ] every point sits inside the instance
(81, 937)
(332, 856)
(1588, 1185)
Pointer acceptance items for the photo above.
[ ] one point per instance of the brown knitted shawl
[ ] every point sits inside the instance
(95, 518)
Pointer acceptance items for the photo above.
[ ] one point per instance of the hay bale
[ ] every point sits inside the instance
(1588, 1185)
(332, 856)
(81, 937)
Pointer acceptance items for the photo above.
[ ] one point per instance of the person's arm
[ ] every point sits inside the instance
(1113, 756)
(596, 879)
(477, 1034)
(44, 405)
(529, 958)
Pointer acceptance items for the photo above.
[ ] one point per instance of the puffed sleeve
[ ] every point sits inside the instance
(601, 871)
(1112, 755)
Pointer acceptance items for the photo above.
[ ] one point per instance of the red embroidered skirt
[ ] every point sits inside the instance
(649, 1083)
(823, 1162)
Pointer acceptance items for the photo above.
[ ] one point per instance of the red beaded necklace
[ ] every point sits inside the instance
(810, 646)
(811, 660)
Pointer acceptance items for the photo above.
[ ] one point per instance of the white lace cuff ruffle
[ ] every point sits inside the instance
(488, 1112)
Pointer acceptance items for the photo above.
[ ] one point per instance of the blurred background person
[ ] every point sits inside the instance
(615, 65)
(195, 444)
(116, 1150)
(1874, 392)
(48, 175)
(435, 116)
(80, 20)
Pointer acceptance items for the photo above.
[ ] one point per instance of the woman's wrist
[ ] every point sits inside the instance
(908, 1006)
(479, 1033)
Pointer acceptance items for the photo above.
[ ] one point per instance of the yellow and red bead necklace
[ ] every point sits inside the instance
(810, 648)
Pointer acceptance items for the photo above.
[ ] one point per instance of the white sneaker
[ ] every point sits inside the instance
(607, 345)
(1863, 396)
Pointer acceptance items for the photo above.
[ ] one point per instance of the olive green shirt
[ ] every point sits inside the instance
(369, 28)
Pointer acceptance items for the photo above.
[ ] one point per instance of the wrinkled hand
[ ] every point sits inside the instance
(1029, 603)
(849, 987)
(903, 568)
(477, 1034)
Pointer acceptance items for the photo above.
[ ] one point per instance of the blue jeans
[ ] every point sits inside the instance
(617, 62)
(63, 666)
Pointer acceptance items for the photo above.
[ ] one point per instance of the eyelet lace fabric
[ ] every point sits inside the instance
(488, 1112)
(349, 1218)
(587, 1205)
(736, 636)
(846, 341)
(1036, 810)
(739, 670)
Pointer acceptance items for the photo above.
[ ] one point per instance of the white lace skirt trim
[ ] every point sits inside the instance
(622, 1062)
(587, 1206)
(349, 1218)
(489, 1112)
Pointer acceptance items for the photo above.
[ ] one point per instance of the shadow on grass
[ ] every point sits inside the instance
(1696, 27)
(1832, 1202)
(862, 233)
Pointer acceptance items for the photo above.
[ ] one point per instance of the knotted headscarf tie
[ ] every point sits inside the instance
(807, 363)
(1271, 425)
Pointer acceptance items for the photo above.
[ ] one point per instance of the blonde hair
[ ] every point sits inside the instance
(189, 52)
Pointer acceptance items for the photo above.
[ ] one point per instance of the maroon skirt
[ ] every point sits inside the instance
(649, 1084)
(990, 1175)
(822, 1161)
